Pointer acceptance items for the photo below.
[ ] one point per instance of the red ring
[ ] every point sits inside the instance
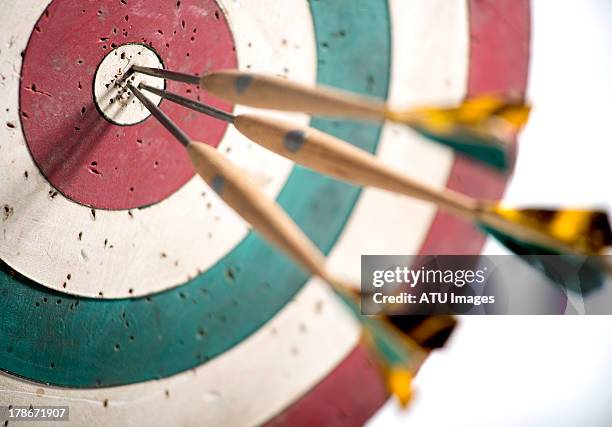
(88, 159)
(499, 63)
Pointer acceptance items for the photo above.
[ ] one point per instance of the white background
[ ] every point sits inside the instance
(539, 370)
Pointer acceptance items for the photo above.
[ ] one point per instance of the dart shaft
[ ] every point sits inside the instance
(339, 159)
(265, 91)
(161, 116)
(266, 217)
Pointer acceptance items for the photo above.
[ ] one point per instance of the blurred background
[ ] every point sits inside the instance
(539, 370)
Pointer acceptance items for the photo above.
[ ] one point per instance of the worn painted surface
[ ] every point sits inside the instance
(64, 51)
(128, 253)
(288, 396)
(247, 385)
(219, 301)
(349, 396)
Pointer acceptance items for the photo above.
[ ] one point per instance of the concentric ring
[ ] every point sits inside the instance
(505, 56)
(135, 166)
(127, 253)
(219, 301)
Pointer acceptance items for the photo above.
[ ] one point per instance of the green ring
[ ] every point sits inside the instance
(79, 342)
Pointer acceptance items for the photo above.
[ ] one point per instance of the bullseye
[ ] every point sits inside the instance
(112, 98)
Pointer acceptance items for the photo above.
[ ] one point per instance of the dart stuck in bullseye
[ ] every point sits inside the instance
(482, 128)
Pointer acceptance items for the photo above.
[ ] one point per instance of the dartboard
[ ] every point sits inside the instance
(130, 292)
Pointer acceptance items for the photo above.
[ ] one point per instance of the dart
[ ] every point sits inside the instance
(482, 127)
(394, 345)
(528, 233)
